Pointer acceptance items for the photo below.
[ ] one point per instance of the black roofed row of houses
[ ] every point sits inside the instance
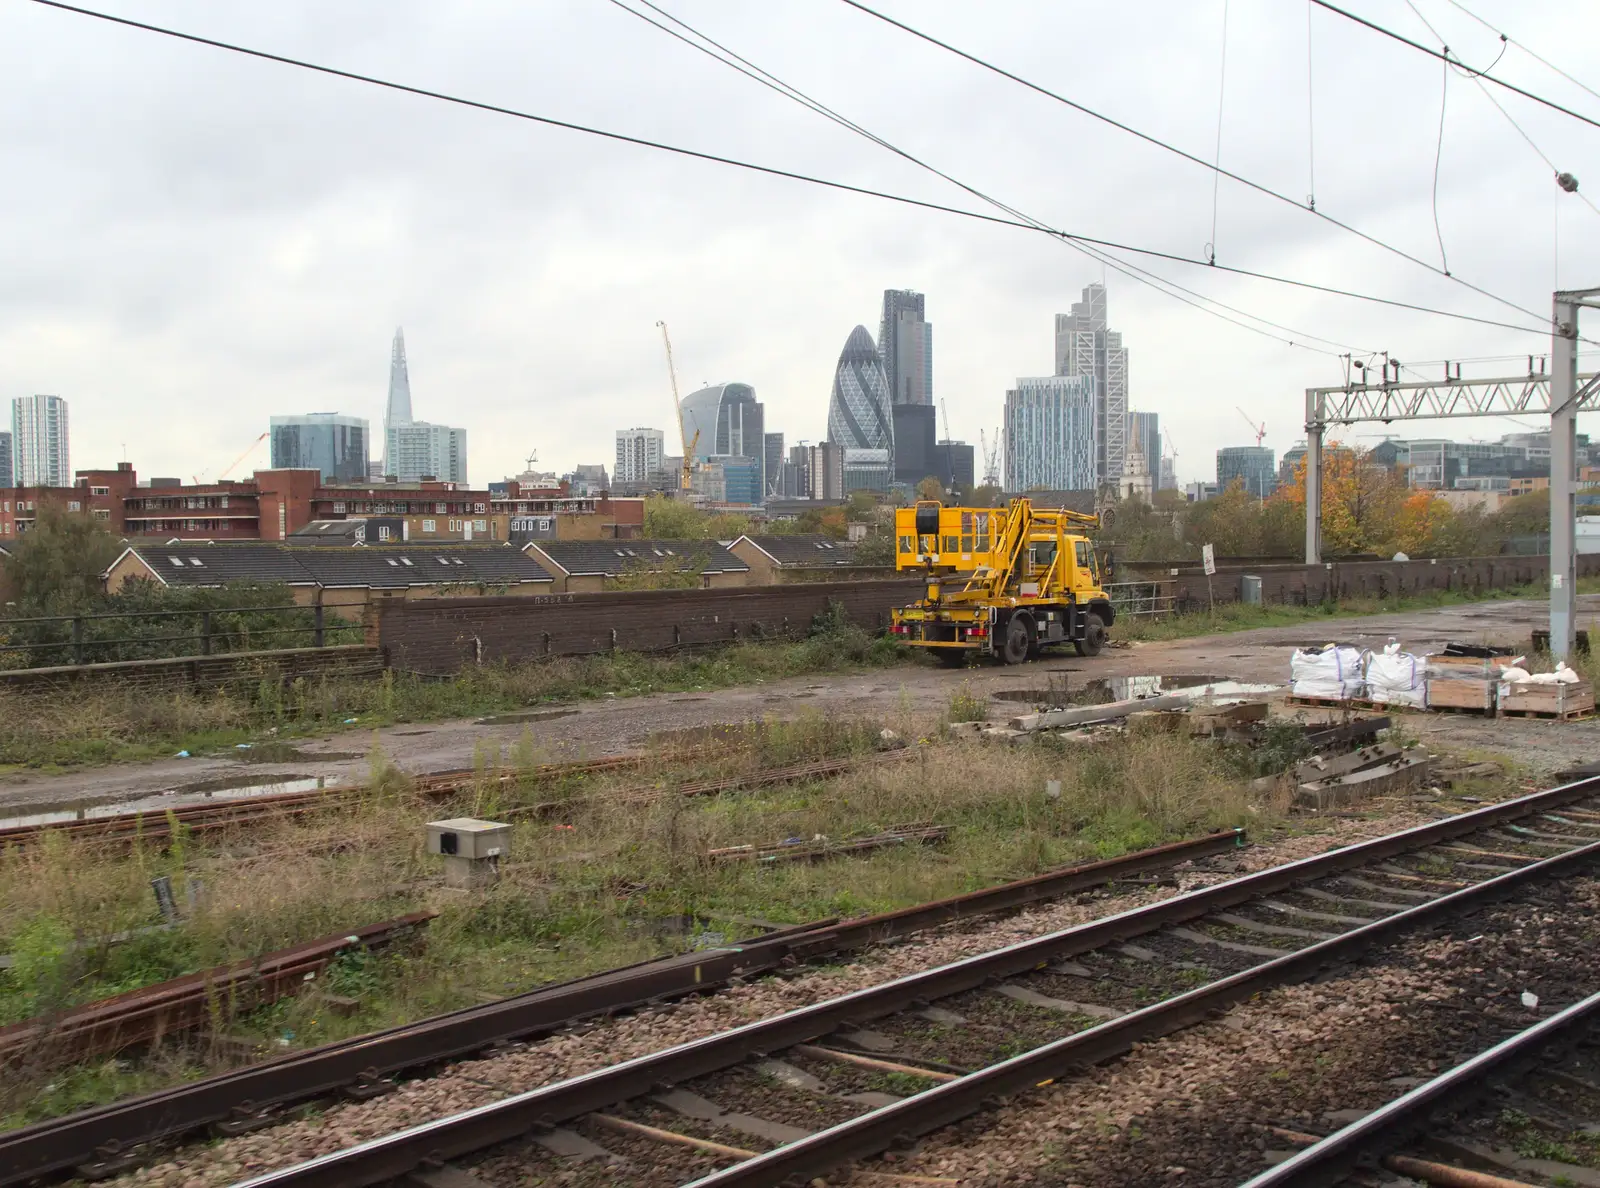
(316, 572)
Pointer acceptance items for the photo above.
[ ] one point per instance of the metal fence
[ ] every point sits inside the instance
(48, 640)
(1134, 599)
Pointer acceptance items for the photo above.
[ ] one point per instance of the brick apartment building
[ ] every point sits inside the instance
(274, 504)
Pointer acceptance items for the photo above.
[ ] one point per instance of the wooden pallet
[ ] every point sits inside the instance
(1475, 711)
(1558, 703)
(1328, 702)
(1390, 707)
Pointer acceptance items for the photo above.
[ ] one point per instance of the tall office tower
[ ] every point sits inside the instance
(1050, 434)
(414, 449)
(1084, 346)
(421, 450)
(40, 457)
(957, 463)
(915, 432)
(730, 422)
(7, 475)
(773, 473)
(1254, 466)
(859, 417)
(1144, 429)
(905, 343)
(333, 443)
(639, 454)
(397, 411)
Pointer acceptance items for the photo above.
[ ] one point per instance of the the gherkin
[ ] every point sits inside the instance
(858, 414)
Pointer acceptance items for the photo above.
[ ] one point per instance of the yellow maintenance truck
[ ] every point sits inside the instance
(1000, 582)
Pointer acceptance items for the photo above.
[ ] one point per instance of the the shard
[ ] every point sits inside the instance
(398, 410)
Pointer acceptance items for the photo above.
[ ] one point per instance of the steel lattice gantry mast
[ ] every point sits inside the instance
(1562, 395)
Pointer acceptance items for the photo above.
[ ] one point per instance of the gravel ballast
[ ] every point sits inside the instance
(476, 1082)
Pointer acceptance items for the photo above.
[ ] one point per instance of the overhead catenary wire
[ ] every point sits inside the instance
(732, 59)
(1258, 187)
(1438, 157)
(773, 171)
(1545, 62)
(1311, 114)
(1478, 77)
(1433, 53)
(1216, 165)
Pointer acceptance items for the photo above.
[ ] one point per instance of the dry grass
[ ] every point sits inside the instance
(595, 885)
(103, 724)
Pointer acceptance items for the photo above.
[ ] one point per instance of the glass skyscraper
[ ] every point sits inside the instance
(731, 424)
(1050, 434)
(1085, 346)
(333, 443)
(859, 416)
(417, 449)
(905, 344)
(39, 445)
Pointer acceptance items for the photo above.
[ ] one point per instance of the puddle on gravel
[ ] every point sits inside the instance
(512, 719)
(173, 798)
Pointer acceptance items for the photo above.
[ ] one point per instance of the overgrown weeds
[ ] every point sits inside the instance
(967, 706)
(601, 880)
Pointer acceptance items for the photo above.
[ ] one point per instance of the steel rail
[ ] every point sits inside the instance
(155, 824)
(404, 1152)
(59, 1144)
(217, 814)
(880, 1129)
(1394, 1124)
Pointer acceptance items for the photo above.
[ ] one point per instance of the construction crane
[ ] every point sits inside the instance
(949, 446)
(237, 461)
(1259, 430)
(991, 461)
(686, 479)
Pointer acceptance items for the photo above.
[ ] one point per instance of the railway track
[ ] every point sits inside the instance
(101, 1141)
(154, 825)
(822, 1087)
(1423, 1134)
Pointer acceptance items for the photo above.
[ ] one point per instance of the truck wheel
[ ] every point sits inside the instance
(1019, 640)
(1094, 636)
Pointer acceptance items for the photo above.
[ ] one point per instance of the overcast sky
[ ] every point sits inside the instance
(191, 240)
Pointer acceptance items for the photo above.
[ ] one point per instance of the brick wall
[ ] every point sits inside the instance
(444, 635)
(246, 669)
(1303, 584)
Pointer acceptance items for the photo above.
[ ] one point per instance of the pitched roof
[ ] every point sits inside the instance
(611, 558)
(374, 567)
(800, 550)
(332, 531)
(192, 564)
(377, 567)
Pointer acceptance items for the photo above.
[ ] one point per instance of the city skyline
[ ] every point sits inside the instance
(161, 264)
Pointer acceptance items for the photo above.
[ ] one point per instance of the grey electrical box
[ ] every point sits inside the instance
(469, 838)
(1250, 589)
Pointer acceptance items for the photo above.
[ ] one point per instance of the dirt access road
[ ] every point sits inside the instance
(908, 694)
